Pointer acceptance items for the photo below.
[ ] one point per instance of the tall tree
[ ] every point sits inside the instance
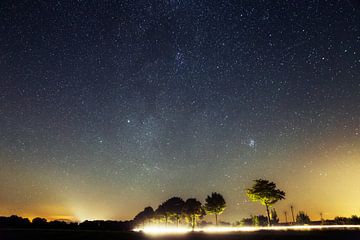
(215, 204)
(171, 208)
(162, 213)
(266, 193)
(175, 208)
(193, 210)
(144, 216)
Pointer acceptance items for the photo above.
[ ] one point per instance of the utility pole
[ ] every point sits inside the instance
(286, 221)
(292, 213)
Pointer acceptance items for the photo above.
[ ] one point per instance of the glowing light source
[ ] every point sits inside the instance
(163, 230)
(182, 230)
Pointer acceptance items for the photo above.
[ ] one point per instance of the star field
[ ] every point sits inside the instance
(107, 107)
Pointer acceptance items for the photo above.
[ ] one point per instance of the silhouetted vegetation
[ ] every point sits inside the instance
(215, 204)
(39, 222)
(193, 210)
(145, 216)
(106, 225)
(274, 217)
(351, 220)
(42, 223)
(172, 209)
(175, 210)
(255, 221)
(266, 193)
(14, 221)
(302, 218)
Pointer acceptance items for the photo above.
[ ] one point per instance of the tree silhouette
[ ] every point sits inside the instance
(144, 216)
(193, 210)
(285, 213)
(274, 217)
(39, 222)
(302, 218)
(171, 208)
(161, 212)
(266, 193)
(175, 208)
(259, 220)
(215, 204)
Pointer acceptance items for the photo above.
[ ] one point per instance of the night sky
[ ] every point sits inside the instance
(110, 106)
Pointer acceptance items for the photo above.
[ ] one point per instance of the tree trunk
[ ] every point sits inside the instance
(268, 215)
(193, 222)
(166, 220)
(216, 221)
(177, 222)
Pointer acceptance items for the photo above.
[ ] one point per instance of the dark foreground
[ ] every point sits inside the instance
(15, 234)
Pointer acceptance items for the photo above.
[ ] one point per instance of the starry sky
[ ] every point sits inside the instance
(110, 106)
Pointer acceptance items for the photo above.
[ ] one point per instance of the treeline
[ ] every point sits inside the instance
(301, 219)
(41, 223)
(259, 220)
(351, 220)
(175, 210)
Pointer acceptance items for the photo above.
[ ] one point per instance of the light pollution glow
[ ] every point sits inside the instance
(337, 166)
(157, 230)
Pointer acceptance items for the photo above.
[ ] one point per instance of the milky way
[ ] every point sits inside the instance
(107, 107)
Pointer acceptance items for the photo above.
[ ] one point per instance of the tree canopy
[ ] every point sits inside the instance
(266, 193)
(193, 210)
(144, 215)
(215, 204)
(171, 208)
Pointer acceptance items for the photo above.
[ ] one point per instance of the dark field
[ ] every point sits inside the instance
(14, 234)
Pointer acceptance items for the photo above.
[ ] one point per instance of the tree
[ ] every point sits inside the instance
(246, 221)
(193, 210)
(39, 222)
(266, 193)
(274, 217)
(215, 204)
(144, 216)
(175, 208)
(302, 218)
(256, 221)
(171, 208)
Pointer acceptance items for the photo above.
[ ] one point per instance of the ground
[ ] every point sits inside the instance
(15, 234)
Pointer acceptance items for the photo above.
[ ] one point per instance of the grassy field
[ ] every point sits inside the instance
(15, 234)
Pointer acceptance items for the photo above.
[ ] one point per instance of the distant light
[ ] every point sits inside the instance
(155, 230)
(128, 121)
